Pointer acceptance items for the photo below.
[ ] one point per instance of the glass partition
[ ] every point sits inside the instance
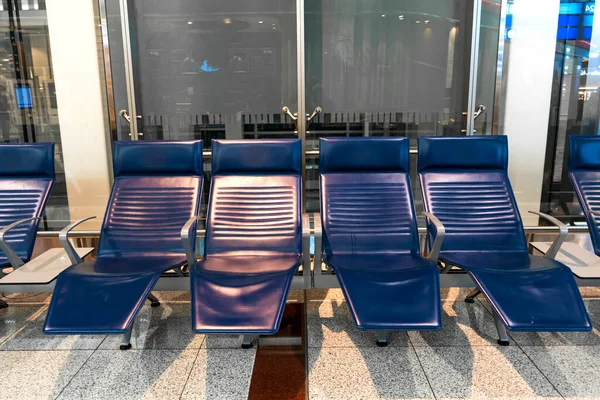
(28, 106)
(575, 109)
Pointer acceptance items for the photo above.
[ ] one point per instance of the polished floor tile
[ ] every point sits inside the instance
(132, 374)
(35, 375)
(14, 318)
(330, 324)
(463, 324)
(483, 372)
(168, 326)
(366, 373)
(220, 374)
(325, 294)
(32, 337)
(573, 370)
(226, 341)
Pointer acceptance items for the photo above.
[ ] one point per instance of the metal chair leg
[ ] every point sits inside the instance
(3, 304)
(502, 334)
(154, 302)
(126, 341)
(382, 339)
(471, 296)
(246, 341)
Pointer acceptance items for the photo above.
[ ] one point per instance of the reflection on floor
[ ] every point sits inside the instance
(168, 361)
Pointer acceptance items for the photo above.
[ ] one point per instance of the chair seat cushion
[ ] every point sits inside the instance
(395, 292)
(241, 294)
(103, 296)
(529, 293)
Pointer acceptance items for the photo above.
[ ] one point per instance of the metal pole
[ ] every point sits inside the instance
(129, 82)
(497, 128)
(301, 122)
(474, 66)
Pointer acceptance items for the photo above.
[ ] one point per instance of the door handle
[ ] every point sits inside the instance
(126, 117)
(286, 110)
(317, 110)
(480, 110)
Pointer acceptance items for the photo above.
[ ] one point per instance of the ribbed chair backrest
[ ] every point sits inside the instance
(256, 200)
(464, 182)
(26, 180)
(584, 173)
(156, 190)
(366, 196)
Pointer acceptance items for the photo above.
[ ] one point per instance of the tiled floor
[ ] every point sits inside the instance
(168, 361)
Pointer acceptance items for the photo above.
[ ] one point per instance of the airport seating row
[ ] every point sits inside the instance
(254, 234)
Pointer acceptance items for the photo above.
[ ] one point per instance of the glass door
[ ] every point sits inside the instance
(203, 69)
(238, 69)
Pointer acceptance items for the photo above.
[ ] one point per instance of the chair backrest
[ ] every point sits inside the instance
(26, 180)
(157, 188)
(366, 196)
(464, 183)
(255, 201)
(584, 173)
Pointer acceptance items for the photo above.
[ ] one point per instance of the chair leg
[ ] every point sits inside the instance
(382, 339)
(471, 296)
(126, 341)
(3, 304)
(502, 334)
(154, 302)
(246, 341)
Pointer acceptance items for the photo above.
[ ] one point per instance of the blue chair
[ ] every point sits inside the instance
(370, 236)
(26, 180)
(156, 192)
(584, 174)
(464, 182)
(253, 238)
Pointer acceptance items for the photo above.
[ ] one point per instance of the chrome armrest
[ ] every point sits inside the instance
(63, 236)
(318, 233)
(186, 239)
(564, 231)
(14, 260)
(434, 254)
(306, 231)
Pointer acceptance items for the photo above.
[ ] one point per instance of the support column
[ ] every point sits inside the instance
(529, 75)
(76, 58)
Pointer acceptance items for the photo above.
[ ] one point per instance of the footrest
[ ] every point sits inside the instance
(583, 263)
(44, 268)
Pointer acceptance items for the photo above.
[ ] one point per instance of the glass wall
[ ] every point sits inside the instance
(28, 106)
(575, 108)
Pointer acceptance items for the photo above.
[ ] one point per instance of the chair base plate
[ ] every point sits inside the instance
(503, 342)
(125, 346)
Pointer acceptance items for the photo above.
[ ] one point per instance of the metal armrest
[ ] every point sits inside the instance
(306, 231)
(439, 236)
(318, 233)
(14, 260)
(564, 231)
(186, 238)
(63, 236)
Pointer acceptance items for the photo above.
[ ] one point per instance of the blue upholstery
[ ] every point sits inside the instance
(253, 237)
(584, 173)
(370, 236)
(26, 180)
(149, 204)
(464, 182)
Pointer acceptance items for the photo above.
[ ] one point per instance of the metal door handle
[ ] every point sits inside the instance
(126, 117)
(480, 110)
(286, 110)
(318, 110)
